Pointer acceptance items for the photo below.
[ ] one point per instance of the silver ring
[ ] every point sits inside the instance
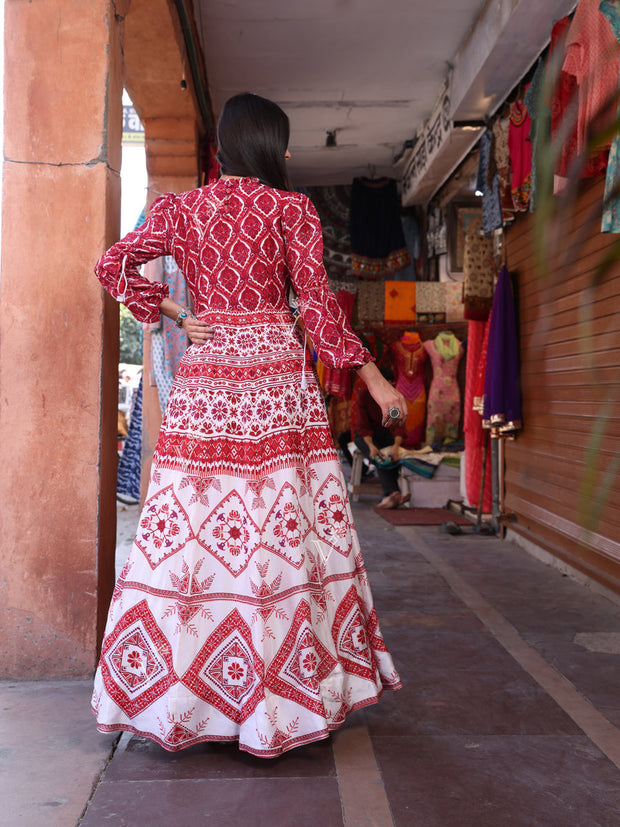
(394, 413)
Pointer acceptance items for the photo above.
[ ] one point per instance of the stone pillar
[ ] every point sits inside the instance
(59, 334)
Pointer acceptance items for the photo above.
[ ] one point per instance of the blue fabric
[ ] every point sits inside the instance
(164, 377)
(491, 205)
(611, 209)
(129, 466)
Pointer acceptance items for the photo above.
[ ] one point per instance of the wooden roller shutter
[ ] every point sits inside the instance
(562, 481)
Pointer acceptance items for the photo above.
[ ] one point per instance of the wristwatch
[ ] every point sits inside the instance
(181, 316)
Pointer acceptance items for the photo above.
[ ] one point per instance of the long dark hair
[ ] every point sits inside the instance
(252, 137)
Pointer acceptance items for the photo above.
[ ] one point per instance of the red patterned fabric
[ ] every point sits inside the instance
(243, 611)
(239, 244)
(475, 435)
(520, 148)
(592, 59)
(339, 381)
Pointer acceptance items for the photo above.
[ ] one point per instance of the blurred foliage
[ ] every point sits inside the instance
(555, 259)
(130, 338)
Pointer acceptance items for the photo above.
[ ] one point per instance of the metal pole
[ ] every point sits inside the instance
(495, 482)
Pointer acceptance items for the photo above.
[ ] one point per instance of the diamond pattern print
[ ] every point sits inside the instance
(136, 661)
(301, 664)
(351, 639)
(333, 525)
(230, 534)
(286, 527)
(227, 671)
(164, 527)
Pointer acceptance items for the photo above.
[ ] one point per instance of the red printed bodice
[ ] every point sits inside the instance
(240, 245)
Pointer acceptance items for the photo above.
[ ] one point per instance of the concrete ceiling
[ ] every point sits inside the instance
(370, 70)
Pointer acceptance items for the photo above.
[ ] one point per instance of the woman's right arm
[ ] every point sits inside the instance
(117, 269)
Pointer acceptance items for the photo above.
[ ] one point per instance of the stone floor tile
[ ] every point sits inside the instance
(467, 701)
(247, 802)
(482, 781)
(449, 646)
(51, 754)
(596, 675)
(139, 759)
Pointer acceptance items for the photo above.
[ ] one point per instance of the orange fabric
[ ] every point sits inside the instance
(409, 357)
(399, 301)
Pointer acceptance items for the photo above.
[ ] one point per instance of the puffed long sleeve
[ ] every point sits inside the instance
(117, 269)
(327, 326)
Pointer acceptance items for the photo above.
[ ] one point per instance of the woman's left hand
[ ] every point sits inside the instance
(198, 332)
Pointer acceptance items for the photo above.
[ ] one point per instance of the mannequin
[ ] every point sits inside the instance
(409, 356)
(444, 398)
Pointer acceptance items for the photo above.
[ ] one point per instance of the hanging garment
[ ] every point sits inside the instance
(520, 148)
(378, 246)
(592, 60)
(563, 102)
(444, 397)
(475, 435)
(501, 159)
(243, 612)
(479, 378)
(502, 391)
(409, 356)
(532, 101)
(130, 463)
(491, 206)
(333, 204)
(168, 342)
(611, 207)
(478, 272)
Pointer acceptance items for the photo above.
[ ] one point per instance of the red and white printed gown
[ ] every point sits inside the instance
(244, 611)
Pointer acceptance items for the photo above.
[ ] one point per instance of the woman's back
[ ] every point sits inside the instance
(230, 242)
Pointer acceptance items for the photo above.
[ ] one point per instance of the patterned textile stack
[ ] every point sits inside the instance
(431, 302)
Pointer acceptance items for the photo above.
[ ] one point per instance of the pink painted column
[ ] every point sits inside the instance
(58, 334)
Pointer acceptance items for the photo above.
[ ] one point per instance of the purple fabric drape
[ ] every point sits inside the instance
(502, 397)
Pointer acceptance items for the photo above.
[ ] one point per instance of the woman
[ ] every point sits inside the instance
(243, 612)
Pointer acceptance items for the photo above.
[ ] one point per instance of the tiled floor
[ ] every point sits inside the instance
(473, 738)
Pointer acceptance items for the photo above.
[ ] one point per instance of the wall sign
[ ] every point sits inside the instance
(425, 149)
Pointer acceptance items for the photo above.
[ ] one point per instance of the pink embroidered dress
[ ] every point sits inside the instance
(444, 397)
(244, 610)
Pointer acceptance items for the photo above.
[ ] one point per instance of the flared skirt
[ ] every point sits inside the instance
(243, 611)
